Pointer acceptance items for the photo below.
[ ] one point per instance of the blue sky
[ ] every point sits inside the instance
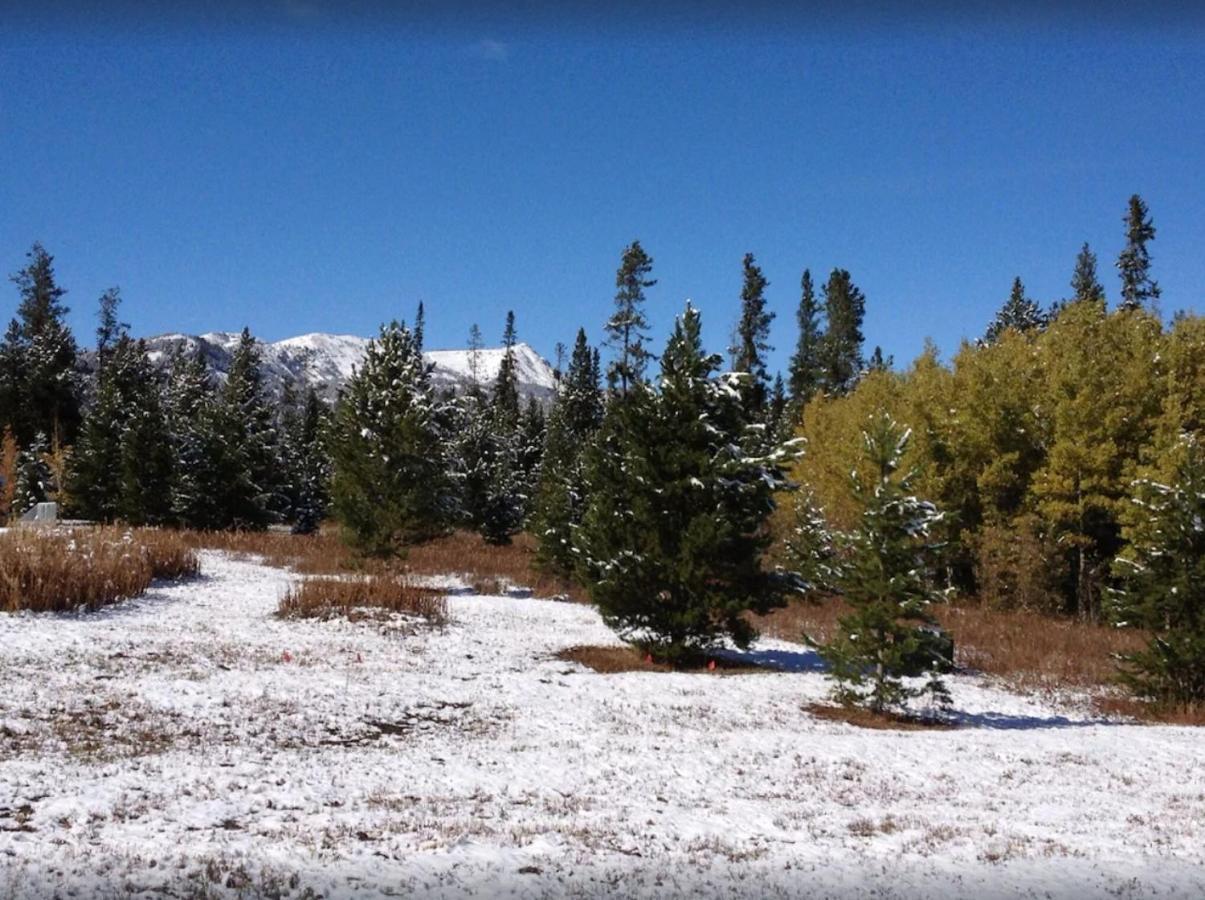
(296, 169)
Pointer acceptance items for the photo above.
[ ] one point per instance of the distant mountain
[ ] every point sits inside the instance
(325, 362)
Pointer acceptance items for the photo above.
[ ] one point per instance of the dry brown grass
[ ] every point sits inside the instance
(362, 597)
(1026, 648)
(58, 571)
(1149, 712)
(487, 567)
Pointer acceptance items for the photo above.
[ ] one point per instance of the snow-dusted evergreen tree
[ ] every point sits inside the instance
(390, 484)
(1161, 584)
(312, 467)
(753, 339)
(1019, 313)
(122, 467)
(813, 548)
(885, 575)
(1138, 289)
(507, 488)
(806, 372)
(35, 482)
(200, 455)
(254, 495)
(671, 543)
(46, 398)
(628, 326)
(561, 492)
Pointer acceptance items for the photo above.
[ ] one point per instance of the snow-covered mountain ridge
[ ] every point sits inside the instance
(326, 362)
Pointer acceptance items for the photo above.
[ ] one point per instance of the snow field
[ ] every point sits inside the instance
(189, 742)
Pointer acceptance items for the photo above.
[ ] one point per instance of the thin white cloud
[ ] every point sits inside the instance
(494, 51)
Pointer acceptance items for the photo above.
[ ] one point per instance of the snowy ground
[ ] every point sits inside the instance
(190, 744)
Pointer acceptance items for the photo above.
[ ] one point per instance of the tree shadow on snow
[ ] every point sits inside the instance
(796, 661)
(1011, 722)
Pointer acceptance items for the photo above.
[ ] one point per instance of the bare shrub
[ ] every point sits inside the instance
(57, 571)
(487, 567)
(362, 597)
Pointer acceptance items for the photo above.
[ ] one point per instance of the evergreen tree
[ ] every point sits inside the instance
(123, 461)
(202, 461)
(12, 379)
(506, 385)
(475, 345)
(252, 494)
(671, 543)
(48, 401)
(390, 484)
(885, 578)
(628, 326)
(35, 482)
(313, 465)
(806, 372)
(561, 491)
(507, 488)
(878, 362)
(752, 337)
(111, 328)
(841, 346)
(1018, 313)
(1138, 289)
(1084, 284)
(1162, 585)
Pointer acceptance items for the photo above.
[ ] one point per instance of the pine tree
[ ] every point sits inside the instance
(506, 385)
(1019, 313)
(313, 465)
(1084, 284)
(1162, 585)
(841, 346)
(885, 578)
(12, 379)
(390, 484)
(561, 492)
(47, 394)
(506, 492)
(671, 543)
(753, 333)
(254, 496)
(475, 345)
(628, 326)
(806, 372)
(879, 362)
(34, 483)
(145, 460)
(111, 328)
(200, 455)
(1138, 289)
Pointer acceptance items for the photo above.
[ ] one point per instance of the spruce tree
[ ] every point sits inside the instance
(841, 347)
(560, 496)
(752, 337)
(1019, 313)
(110, 329)
(35, 482)
(256, 495)
(1084, 284)
(806, 372)
(1138, 289)
(506, 384)
(200, 455)
(48, 394)
(390, 485)
(475, 345)
(312, 465)
(671, 543)
(1161, 584)
(12, 379)
(628, 326)
(506, 491)
(885, 577)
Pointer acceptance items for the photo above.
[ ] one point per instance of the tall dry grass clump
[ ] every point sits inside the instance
(59, 571)
(362, 597)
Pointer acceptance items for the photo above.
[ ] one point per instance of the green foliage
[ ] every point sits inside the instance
(671, 542)
(561, 496)
(1138, 289)
(806, 372)
(885, 575)
(1162, 583)
(628, 326)
(390, 485)
(841, 361)
(1019, 313)
(752, 338)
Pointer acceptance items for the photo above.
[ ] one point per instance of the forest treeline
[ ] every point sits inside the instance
(1054, 464)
